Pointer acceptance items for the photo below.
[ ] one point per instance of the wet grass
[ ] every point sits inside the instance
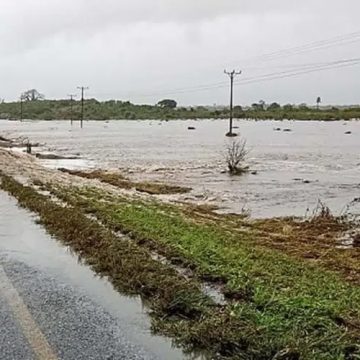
(318, 239)
(178, 307)
(118, 180)
(282, 307)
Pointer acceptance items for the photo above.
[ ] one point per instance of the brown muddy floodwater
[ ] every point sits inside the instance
(308, 161)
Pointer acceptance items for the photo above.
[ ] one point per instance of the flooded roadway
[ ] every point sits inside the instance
(52, 307)
(313, 160)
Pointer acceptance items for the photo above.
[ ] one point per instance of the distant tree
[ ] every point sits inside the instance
(318, 101)
(183, 109)
(260, 106)
(130, 115)
(303, 107)
(274, 106)
(288, 107)
(238, 108)
(167, 103)
(201, 108)
(238, 111)
(32, 95)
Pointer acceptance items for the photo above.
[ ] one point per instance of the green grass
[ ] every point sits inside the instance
(282, 303)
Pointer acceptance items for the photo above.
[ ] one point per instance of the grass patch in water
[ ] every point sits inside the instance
(122, 182)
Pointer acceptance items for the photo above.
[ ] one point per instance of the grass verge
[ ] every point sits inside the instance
(285, 309)
(179, 308)
(295, 309)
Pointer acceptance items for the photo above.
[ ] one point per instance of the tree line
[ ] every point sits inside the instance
(33, 105)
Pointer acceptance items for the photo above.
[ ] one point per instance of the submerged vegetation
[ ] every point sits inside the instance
(291, 293)
(118, 180)
(236, 153)
(38, 109)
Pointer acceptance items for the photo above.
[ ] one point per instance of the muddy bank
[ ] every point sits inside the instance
(16, 143)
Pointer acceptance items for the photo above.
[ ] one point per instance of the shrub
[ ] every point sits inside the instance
(235, 156)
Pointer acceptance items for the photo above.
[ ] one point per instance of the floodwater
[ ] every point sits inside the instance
(81, 315)
(295, 168)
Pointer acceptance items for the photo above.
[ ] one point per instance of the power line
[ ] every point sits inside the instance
(275, 76)
(296, 69)
(339, 40)
(305, 69)
(285, 74)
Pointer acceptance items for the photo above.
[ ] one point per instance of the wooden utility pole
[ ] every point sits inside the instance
(318, 101)
(232, 75)
(82, 88)
(72, 97)
(21, 108)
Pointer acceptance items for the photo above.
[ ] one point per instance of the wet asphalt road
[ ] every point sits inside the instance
(51, 307)
(12, 341)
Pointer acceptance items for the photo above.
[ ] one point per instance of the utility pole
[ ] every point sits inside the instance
(21, 108)
(72, 97)
(82, 88)
(232, 75)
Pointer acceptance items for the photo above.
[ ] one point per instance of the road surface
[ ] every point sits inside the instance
(52, 307)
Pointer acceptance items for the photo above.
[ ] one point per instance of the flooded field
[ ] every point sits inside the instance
(296, 163)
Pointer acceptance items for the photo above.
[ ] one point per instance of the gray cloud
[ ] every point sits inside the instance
(29, 22)
(144, 47)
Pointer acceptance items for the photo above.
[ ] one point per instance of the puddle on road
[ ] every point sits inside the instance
(21, 239)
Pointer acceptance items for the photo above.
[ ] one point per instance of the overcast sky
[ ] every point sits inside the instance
(145, 50)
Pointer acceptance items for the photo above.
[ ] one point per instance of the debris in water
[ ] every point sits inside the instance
(55, 157)
(356, 240)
